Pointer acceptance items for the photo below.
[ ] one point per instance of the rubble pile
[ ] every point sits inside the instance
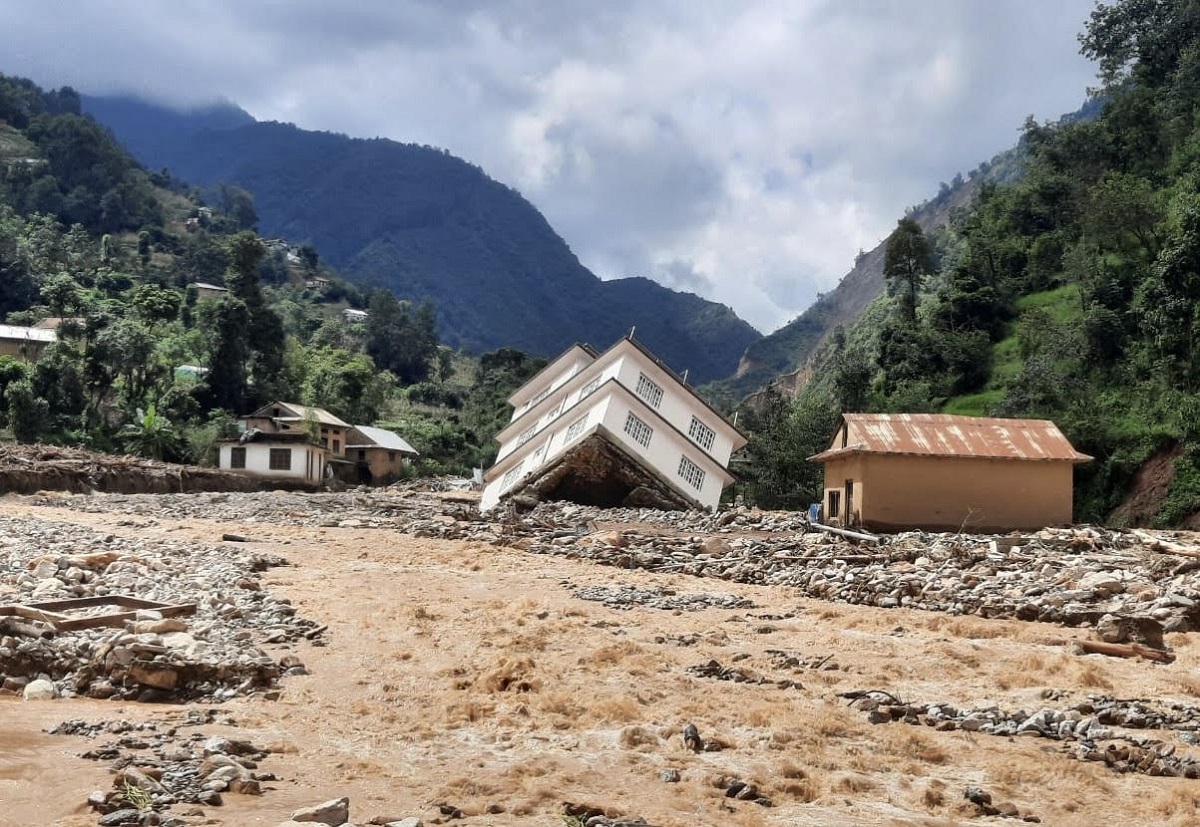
(1073, 577)
(212, 653)
(1099, 727)
(156, 767)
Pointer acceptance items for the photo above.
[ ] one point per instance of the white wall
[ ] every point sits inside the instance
(553, 381)
(677, 406)
(563, 404)
(258, 461)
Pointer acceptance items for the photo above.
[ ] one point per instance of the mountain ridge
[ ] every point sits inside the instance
(428, 225)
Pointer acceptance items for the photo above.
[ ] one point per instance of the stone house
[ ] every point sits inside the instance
(612, 428)
(892, 472)
(376, 456)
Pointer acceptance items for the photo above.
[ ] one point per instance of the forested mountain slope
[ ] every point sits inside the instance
(1072, 294)
(428, 225)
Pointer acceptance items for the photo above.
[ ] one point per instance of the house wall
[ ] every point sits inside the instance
(949, 493)
(329, 434)
(564, 404)
(677, 407)
(382, 469)
(664, 451)
(308, 461)
(553, 382)
(27, 350)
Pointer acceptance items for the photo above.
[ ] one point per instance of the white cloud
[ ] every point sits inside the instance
(745, 151)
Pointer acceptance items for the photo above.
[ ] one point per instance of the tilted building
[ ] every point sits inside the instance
(610, 429)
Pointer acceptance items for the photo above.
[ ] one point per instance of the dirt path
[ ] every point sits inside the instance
(464, 674)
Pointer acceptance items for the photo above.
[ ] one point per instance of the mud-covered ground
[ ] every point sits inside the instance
(505, 684)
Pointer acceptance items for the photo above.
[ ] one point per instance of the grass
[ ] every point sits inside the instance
(1060, 305)
(15, 145)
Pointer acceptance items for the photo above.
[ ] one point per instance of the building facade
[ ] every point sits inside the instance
(25, 343)
(631, 401)
(376, 456)
(892, 472)
(285, 440)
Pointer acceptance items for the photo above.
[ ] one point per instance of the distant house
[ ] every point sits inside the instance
(612, 428)
(287, 441)
(939, 472)
(376, 456)
(352, 315)
(316, 283)
(25, 343)
(207, 292)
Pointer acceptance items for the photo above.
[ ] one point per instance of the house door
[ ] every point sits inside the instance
(849, 502)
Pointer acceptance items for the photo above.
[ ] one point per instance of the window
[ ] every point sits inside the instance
(237, 458)
(553, 412)
(526, 435)
(638, 429)
(576, 428)
(337, 446)
(281, 459)
(648, 390)
(362, 454)
(512, 475)
(691, 473)
(835, 503)
(701, 434)
(391, 456)
(542, 394)
(589, 389)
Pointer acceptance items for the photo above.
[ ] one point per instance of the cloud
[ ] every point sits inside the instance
(743, 151)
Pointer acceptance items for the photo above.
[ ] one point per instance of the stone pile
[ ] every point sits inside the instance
(626, 597)
(158, 767)
(1073, 577)
(1099, 727)
(212, 654)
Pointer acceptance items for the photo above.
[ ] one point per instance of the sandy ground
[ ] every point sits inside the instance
(465, 674)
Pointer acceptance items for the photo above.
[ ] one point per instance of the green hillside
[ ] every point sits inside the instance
(1071, 294)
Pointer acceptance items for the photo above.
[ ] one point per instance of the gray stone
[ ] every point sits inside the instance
(334, 812)
(39, 690)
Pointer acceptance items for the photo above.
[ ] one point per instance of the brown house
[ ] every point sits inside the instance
(378, 456)
(289, 417)
(893, 472)
(25, 343)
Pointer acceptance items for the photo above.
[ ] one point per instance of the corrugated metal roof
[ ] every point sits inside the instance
(301, 412)
(944, 435)
(383, 439)
(30, 334)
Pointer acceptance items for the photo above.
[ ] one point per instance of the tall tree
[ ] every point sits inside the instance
(906, 261)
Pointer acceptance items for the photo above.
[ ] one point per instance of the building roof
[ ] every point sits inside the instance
(27, 334)
(203, 285)
(299, 412)
(381, 438)
(944, 435)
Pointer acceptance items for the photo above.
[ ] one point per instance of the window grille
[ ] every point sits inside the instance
(691, 473)
(237, 458)
(638, 429)
(512, 475)
(280, 459)
(576, 428)
(526, 435)
(701, 434)
(589, 389)
(648, 390)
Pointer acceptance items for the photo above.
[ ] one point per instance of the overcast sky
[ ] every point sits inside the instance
(744, 151)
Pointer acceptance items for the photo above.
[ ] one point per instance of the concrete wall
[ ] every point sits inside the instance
(25, 350)
(949, 493)
(308, 461)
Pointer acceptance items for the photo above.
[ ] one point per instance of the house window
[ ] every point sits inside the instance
(553, 412)
(648, 390)
(589, 389)
(362, 455)
(337, 446)
(526, 435)
(542, 394)
(281, 459)
(576, 428)
(701, 434)
(638, 429)
(512, 475)
(391, 456)
(237, 457)
(835, 503)
(691, 473)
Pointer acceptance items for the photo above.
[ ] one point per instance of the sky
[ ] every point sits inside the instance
(744, 151)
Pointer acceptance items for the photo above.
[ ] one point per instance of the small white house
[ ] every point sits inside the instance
(286, 440)
(628, 399)
(354, 316)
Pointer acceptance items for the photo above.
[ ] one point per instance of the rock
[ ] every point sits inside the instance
(118, 817)
(669, 776)
(691, 738)
(334, 813)
(39, 690)
(156, 675)
(411, 821)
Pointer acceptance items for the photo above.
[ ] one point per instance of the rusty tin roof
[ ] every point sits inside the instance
(944, 435)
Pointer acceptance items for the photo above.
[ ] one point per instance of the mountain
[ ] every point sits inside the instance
(428, 225)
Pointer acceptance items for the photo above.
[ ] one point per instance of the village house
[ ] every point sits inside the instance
(376, 456)
(612, 428)
(288, 441)
(208, 292)
(354, 316)
(891, 472)
(25, 343)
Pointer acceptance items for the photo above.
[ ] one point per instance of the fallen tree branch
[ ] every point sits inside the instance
(1124, 650)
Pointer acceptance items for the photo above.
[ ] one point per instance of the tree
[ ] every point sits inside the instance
(151, 435)
(785, 435)
(27, 412)
(907, 260)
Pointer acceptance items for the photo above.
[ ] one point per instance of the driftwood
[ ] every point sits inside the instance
(1125, 650)
(1166, 546)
